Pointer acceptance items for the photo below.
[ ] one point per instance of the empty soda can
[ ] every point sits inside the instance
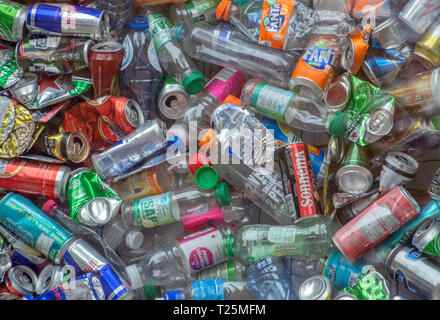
(173, 100)
(5, 264)
(398, 168)
(25, 90)
(99, 211)
(434, 186)
(316, 288)
(427, 237)
(50, 277)
(21, 280)
(356, 51)
(338, 93)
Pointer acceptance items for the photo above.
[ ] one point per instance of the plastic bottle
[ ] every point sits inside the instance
(283, 105)
(307, 238)
(221, 45)
(211, 289)
(267, 279)
(173, 206)
(121, 238)
(120, 12)
(194, 11)
(174, 263)
(231, 270)
(141, 74)
(171, 57)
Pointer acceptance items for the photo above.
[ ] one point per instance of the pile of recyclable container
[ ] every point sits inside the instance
(220, 150)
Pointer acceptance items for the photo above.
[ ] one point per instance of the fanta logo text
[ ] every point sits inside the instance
(275, 20)
(305, 188)
(320, 58)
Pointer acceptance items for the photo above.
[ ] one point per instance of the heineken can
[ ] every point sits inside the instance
(67, 20)
(10, 73)
(354, 176)
(53, 54)
(21, 281)
(427, 237)
(12, 20)
(26, 89)
(172, 101)
(427, 49)
(416, 272)
(316, 288)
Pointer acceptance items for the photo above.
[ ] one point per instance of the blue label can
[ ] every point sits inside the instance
(64, 19)
(28, 222)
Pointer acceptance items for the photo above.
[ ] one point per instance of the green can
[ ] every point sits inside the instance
(12, 20)
(370, 286)
(92, 201)
(427, 237)
(354, 176)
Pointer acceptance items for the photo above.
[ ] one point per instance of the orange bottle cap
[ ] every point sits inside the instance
(232, 99)
(223, 9)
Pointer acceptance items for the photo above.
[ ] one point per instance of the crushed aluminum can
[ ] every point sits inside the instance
(21, 280)
(10, 72)
(50, 277)
(5, 264)
(26, 89)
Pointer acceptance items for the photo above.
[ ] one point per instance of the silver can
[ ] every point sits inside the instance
(45, 18)
(434, 186)
(345, 296)
(420, 14)
(398, 169)
(50, 277)
(428, 233)
(21, 280)
(315, 288)
(414, 271)
(333, 5)
(173, 101)
(338, 93)
(5, 264)
(25, 90)
(388, 34)
(83, 257)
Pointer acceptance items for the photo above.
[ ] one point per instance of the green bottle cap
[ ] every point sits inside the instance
(229, 246)
(150, 292)
(338, 124)
(436, 122)
(222, 194)
(194, 82)
(206, 177)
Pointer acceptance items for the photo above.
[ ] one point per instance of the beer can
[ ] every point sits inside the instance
(172, 101)
(298, 181)
(388, 35)
(382, 67)
(382, 218)
(417, 273)
(398, 168)
(338, 93)
(53, 54)
(434, 186)
(26, 89)
(21, 281)
(315, 69)
(67, 20)
(427, 237)
(34, 178)
(334, 5)
(419, 93)
(105, 62)
(315, 288)
(420, 14)
(10, 73)
(354, 175)
(50, 277)
(70, 147)
(427, 49)
(13, 18)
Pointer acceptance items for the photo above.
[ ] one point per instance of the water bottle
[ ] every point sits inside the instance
(175, 262)
(173, 206)
(231, 270)
(307, 238)
(211, 289)
(141, 74)
(171, 57)
(194, 11)
(120, 12)
(221, 45)
(267, 279)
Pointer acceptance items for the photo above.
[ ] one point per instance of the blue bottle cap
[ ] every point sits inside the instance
(139, 22)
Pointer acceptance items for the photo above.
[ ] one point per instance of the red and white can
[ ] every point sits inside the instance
(378, 221)
(34, 178)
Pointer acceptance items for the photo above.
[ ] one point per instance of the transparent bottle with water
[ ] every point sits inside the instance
(194, 11)
(141, 74)
(120, 12)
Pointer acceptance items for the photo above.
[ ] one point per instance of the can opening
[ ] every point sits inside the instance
(336, 95)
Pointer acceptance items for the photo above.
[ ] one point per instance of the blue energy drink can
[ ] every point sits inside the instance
(383, 68)
(67, 20)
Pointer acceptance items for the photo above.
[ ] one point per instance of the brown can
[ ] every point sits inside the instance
(105, 60)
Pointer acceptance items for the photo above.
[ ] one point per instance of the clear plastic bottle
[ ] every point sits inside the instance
(171, 57)
(221, 45)
(141, 74)
(283, 105)
(174, 263)
(267, 279)
(194, 11)
(120, 12)
(173, 206)
(211, 289)
(307, 238)
(231, 270)
(121, 238)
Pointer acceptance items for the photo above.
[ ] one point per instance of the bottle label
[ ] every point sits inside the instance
(226, 82)
(160, 29)
(225, 270)
(211, 289)
(143, 184)
(152, 57)
(203, 249)
(153, 211)
(281, 235)
(128, 52)
(203, 10)
(271, 101)
(173, 295)
(274, 21)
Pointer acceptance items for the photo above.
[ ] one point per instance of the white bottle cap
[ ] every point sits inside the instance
(134, 277)
(180, 131)
(134, 239)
